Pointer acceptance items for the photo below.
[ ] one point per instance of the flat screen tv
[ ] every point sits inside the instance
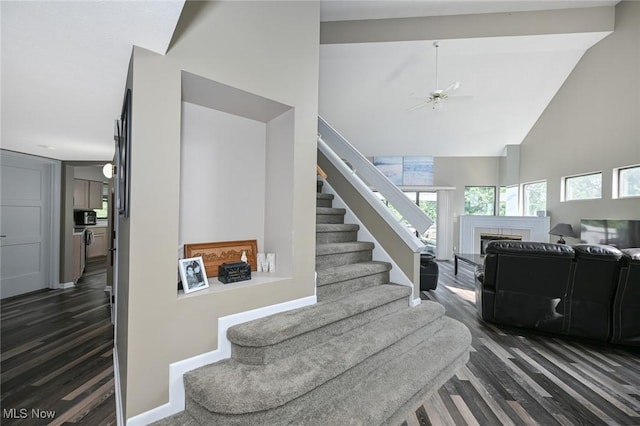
(618, 233)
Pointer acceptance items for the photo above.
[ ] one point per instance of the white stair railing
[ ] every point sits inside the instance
(362, 167)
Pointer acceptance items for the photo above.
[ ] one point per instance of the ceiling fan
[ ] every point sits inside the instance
(436, 97)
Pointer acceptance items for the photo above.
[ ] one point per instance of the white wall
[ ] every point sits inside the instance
(592, 125)
(222, 186)
(268, 49)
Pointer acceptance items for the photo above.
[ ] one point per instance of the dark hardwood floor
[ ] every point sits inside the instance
(56, 356)
(516, 377)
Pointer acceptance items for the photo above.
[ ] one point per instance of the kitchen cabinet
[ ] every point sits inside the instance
(87, 194)
(79, 254)
(99, 245)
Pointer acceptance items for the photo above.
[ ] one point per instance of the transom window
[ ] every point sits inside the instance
(628, 181)
(583, 187)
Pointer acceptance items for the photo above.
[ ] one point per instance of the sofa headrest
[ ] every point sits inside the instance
(529, 248)
(597, 252)
(631, 255)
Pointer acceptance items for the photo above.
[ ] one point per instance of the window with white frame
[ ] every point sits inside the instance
(582, 187)
(508, 205)
(626, 181)
(534, 197)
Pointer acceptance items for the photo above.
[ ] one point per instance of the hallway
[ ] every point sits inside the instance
(56, 357)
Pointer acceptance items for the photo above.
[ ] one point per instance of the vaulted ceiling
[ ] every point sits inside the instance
(64, 66)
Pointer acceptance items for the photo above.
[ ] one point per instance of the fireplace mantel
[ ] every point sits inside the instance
(532, 228)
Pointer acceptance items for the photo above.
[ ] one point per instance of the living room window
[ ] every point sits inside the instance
(508, 204)
(626, 181)
(480, 200)
(534, 195)
(582, 187)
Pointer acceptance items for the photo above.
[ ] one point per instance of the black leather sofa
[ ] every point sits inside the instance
(626, 318)
(589, 291)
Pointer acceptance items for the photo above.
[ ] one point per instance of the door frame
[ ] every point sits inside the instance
(53, 168)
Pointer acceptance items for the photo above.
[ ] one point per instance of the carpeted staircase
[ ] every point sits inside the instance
(359, 356)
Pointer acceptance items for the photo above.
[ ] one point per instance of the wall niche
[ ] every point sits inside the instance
(236, 170)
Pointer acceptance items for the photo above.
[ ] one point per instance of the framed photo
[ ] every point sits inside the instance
(215, 254)
(193, 274)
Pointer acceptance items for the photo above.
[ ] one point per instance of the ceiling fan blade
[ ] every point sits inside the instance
(414, 95)
(452, 87)
(423, 104)
(460, 97)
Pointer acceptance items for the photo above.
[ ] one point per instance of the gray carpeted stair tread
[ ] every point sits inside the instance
(324, 196)
(232, 388)
(351, 271)
(286, 325)
(346, 247)
(336, 227)
(330, 210)
(413, 377)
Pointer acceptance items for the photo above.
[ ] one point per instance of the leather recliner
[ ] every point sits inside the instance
(626, 306)
(525, 284)
(592, 291)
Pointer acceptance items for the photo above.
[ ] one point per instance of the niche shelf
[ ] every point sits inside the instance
(236, 173)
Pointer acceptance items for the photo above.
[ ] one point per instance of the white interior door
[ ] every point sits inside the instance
(25, 225)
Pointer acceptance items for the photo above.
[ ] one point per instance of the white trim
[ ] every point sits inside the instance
(118, 396)
(538, 228)
(65, 286)
(177, 370)
(56, 192)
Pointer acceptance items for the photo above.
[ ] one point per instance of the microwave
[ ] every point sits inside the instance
(84, 217)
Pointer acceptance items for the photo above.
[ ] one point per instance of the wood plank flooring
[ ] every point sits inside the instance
(56, 356)
(517, 377)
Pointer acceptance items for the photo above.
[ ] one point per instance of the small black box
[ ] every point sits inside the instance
(232, 272)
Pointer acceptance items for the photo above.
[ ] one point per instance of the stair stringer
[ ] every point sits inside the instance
(379, 253)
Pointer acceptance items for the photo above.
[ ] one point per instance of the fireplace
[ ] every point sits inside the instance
(487, 238)
(528, 228)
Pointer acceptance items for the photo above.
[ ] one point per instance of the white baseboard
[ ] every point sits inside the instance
(65, 286)
(176, 402)
(416, 302)
(116, 375)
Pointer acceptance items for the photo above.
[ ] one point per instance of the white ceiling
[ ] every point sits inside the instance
(367, 89)
(64, 66)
